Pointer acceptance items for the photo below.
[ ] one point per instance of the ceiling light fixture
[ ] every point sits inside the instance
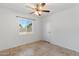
(39, 8)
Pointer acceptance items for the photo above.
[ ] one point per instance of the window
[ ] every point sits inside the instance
(25, 26)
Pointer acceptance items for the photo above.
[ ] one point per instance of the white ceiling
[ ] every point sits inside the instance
(23, 7)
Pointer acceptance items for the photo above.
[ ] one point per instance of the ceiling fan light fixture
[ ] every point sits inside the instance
(39, 9)
(40, 12)
(36, 13)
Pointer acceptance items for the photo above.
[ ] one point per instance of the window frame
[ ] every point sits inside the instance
(24, 33)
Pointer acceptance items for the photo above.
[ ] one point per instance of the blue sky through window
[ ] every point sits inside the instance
(24, 22)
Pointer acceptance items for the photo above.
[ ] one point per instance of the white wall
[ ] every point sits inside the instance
(9, 36)
(63, 28)
(60, 28)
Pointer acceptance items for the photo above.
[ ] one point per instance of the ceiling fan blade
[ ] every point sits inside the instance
(43, 4)
(39, 14)
(31, 12)
(37, 5)
(45, 11)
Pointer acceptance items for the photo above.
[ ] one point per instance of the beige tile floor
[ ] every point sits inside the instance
(40, 48)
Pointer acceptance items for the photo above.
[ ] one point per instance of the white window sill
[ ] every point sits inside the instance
(25, 33)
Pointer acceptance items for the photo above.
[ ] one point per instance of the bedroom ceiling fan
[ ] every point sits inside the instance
(39, 9)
